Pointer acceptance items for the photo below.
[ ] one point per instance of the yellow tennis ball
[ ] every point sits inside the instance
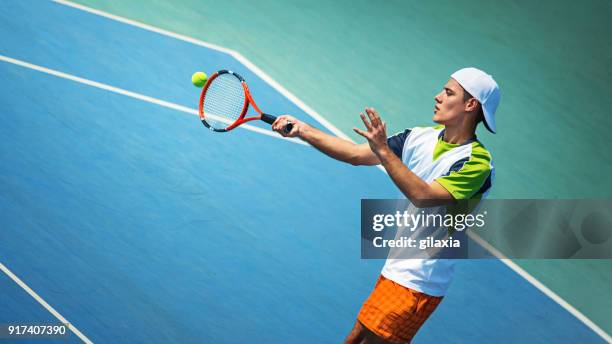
(199, 79)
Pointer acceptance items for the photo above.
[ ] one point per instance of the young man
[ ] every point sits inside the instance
(432, 167)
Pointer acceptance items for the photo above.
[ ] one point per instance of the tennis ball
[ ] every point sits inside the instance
(199, 79)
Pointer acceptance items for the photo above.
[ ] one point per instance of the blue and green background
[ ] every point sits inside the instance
(131, 221)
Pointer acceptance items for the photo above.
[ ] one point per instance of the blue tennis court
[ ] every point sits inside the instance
(136, 224)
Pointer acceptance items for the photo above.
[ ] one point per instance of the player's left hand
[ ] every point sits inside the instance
(376, 131)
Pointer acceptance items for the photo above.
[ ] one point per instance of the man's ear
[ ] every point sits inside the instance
(471, 105)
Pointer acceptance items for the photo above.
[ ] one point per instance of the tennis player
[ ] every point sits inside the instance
(431, 166)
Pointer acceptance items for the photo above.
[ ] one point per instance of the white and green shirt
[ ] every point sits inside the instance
(465, 170)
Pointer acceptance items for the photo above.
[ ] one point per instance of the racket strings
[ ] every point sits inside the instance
(223, 101)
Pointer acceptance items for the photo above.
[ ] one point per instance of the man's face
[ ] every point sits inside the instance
(449, 106)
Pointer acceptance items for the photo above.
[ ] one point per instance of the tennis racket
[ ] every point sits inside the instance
(225, 101)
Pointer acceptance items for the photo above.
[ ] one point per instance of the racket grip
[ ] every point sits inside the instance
(288, 127)
(270, 120)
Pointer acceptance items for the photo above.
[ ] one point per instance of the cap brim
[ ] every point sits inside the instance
(489, 121)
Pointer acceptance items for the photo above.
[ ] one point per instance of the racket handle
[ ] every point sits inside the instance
(288, 127)
(270, 120)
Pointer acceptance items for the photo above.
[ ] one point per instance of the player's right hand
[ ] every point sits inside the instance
(282, 121)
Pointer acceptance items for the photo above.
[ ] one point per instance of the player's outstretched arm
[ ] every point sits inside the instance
(333, 146)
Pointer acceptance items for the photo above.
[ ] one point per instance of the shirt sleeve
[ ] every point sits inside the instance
(396, 142)
(469, 176)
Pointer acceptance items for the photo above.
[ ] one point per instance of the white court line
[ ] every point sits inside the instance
(590, 324)
(260, 73)
(331, 128)
(135, 95)
(44, 304)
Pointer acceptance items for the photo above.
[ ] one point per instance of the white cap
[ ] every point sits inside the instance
(482, 87)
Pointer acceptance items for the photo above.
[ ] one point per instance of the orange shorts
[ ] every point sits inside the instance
(394, 312)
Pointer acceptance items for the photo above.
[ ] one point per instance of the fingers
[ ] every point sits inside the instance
(279, 120)
(361, 132)
(365, 121)
(374, 120)
(371, 116)
(281, 123)
(374, 117)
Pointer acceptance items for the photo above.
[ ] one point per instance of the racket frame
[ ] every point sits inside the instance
(247, 100)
